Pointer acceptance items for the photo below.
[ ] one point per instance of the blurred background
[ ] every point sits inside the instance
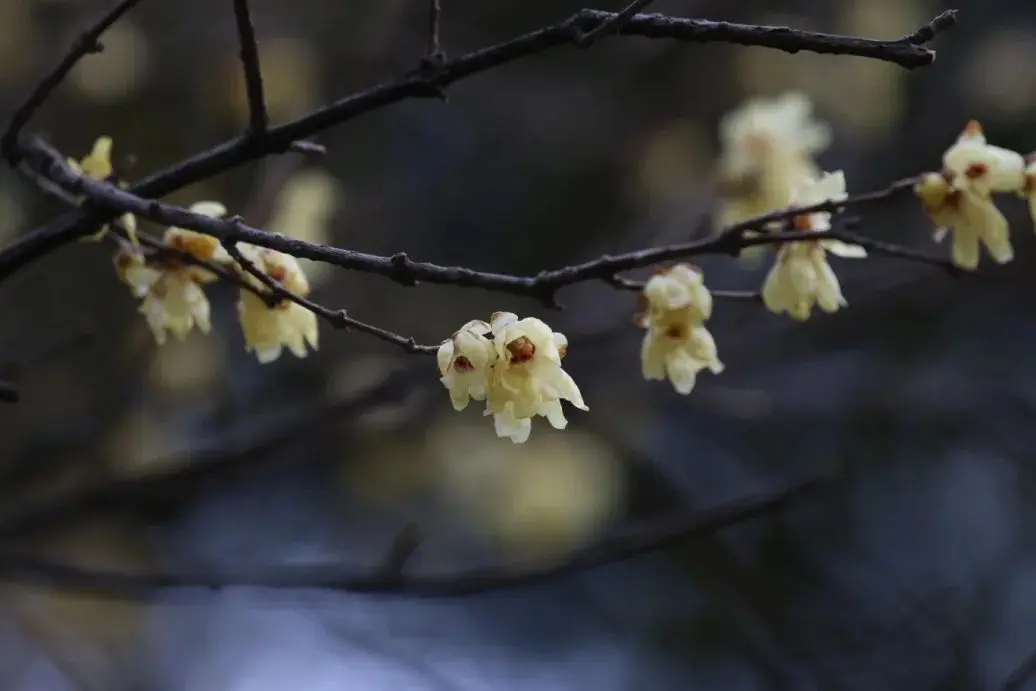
(915, 570)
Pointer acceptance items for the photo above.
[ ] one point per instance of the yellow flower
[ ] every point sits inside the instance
(525, 378)
(768, 146)
(959, 199)
(801, 277)
(971, 217)
(269, 329)
(97, 165)
(170, 288)
(973, 163)
(677, 344)
(464, 361)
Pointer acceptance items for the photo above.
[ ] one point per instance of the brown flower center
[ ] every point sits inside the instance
(521, 350)
(463, 364)
(976, 170)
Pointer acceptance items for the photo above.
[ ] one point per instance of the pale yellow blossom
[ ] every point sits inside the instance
(959, 199)
(172, 297)
(268, 329)
(677, 344)
(97, 165)
(464, 361)
(527, 379)
(973, 163)
(169, 286)
(801, 276)
(969, 215)
(768, 146)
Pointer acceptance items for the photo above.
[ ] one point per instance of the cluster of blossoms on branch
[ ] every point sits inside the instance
(169, 280)
(515, 365)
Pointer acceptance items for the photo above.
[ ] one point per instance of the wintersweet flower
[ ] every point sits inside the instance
(526, 378)
(768, 146)
(801, 276)
(464, 362)
(677, 344)
(170, 286)
(97, 165)
(977, 165)
(268, 329)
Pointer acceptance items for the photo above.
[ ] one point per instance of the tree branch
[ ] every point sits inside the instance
(258, 118)
(652, 537)
(432, 79)
(613, 24)
(339, 319)
(83, 46)
(544, 286)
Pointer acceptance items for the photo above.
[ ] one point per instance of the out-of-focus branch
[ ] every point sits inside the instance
(258, 118)
(433, 77)
(9, 392)
(1021, 674)
(646, 539)
(85, 44)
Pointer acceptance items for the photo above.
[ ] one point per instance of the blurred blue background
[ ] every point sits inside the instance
(915, 570)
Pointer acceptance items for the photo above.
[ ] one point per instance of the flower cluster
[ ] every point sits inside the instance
(169, 285)
(512, 364)
(515, 365)
(959, 198)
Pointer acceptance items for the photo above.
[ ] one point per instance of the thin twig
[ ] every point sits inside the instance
(85, 44)
(651, 537)
(613, 24)
(258, 118)
(929, 31)
(339, 319)
(431, 81)
(543, 286)
(434, 29)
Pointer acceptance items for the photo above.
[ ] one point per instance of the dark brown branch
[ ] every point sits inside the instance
(83, 46)
(431, 79)
(258, 118)
(339, 319)
(612, 24)
(543, 286)
(646, 539)
(930, 30)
